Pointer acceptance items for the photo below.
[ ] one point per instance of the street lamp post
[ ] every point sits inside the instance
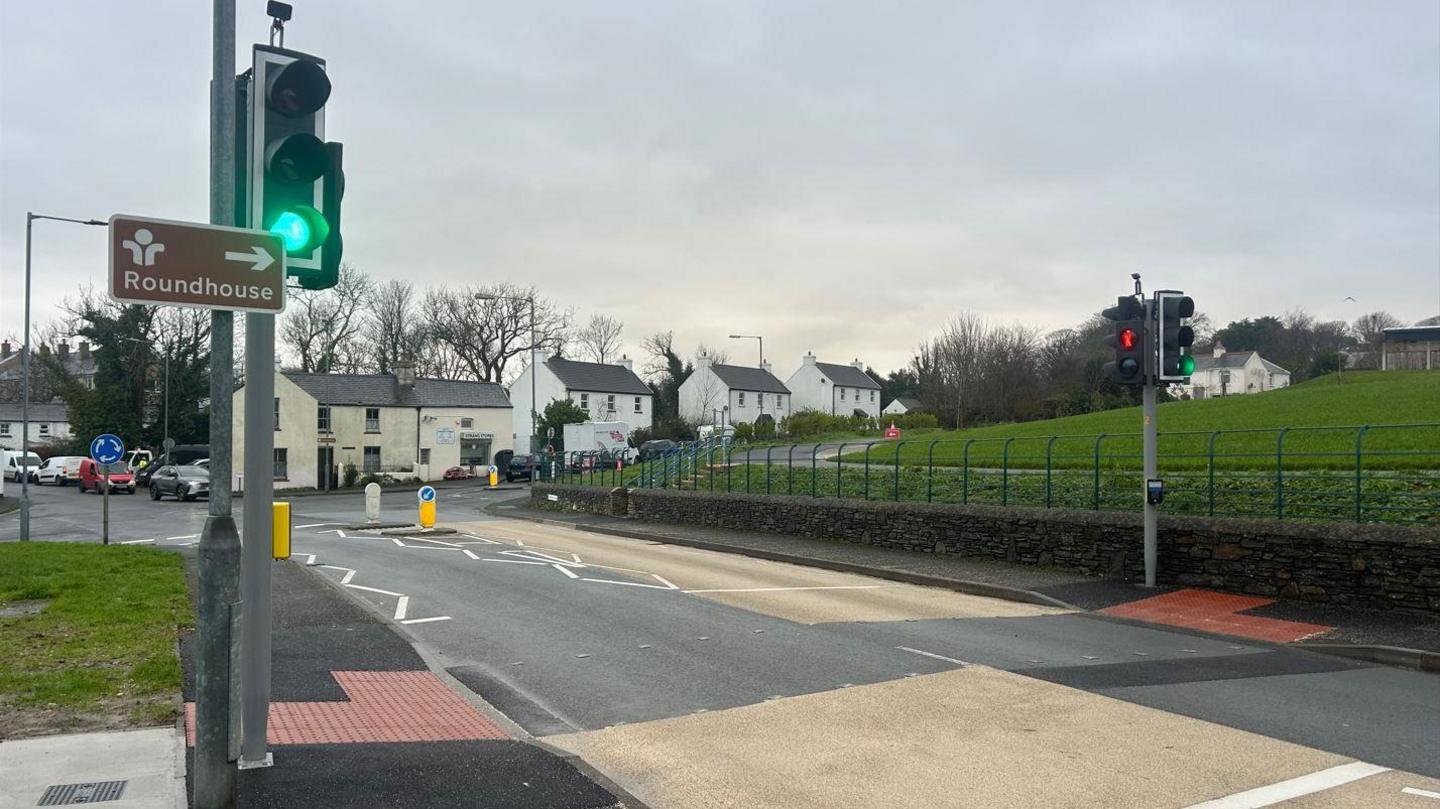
(165, 407)
(761, 394)
(30, 218)
(487, 296)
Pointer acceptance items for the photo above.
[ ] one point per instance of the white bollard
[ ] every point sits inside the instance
(372, 502)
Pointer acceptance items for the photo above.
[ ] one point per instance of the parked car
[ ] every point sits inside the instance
(58, 470)
(15, 467)
(521, 467)
(92, 476)
(180, 482)
(655, 448)
(457, 473)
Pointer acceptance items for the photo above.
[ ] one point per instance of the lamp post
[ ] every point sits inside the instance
(761, 394)
(30, 218)
(165, 407)
(530, 299)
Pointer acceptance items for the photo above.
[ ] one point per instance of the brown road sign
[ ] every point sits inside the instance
(191, 264)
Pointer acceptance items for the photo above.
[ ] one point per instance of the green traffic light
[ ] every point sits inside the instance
(301, 229)
(1187, 365)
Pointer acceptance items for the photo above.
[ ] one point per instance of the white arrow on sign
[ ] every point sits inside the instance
(259, 257)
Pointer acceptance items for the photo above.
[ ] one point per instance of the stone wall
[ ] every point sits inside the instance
(1366, 565)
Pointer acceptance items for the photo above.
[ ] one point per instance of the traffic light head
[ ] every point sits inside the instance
(295, 176)
(1173, 360)
(1128, 341)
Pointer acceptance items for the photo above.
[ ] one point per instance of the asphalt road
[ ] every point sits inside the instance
(702, 679)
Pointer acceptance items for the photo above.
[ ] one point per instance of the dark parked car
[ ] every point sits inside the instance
(655, 448)
(521, 467)
(180, 482)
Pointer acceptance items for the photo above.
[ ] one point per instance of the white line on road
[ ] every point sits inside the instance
(566, 571)
(337, 567)
(309, 558)
(470, 554)
(373, 590)
(482, 539)
(435, 541)
(397, 542)
(514, 561)
(426, 620)
(1295, 787)
(785, 589)
(348, 577)
(932, 654)
(628, 583)
(664, 581)
(315, 524)
(187, 536)
(1424, 793)
(401, 607)
(136, 541)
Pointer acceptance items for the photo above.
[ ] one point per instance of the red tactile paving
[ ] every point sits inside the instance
(384, 706)
(1215, 612)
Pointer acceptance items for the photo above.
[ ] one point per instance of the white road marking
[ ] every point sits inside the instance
(348, 577)
(397, 542)
(401, 607)
(337, 567)
(932, 654)
(1424, 793)
(470, 554)
(664, 581)
(309, 558)
(629, 584)
(315, 524)
(187, 536)
(426, 620)
(785, 589)
(341, 534)
(482, 539)
(514, 561)
(136, 541)
(1295, 787)
(435, 541)
(373, 590)
(566, 571)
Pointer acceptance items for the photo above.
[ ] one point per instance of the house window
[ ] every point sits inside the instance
(4, 428)
(466, 424)
(779, 400)
(277, 413)
(741, 401)
(585, 402)
(372, 419)
(44, 429)
(842, 394)
(372, 459)
(610, 404)
(872, 397)
(638, 407)
(322, 418)
(424, 456)
(282, 463)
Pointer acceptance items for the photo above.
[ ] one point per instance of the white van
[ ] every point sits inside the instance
(15, 467)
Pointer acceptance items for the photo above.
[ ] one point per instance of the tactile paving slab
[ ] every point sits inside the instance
(1215, 612)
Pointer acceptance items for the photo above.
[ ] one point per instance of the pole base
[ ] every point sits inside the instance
(268, 761)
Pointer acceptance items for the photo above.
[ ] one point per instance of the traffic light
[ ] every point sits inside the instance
(1128, 367)
(1174, 362)
(296, 178)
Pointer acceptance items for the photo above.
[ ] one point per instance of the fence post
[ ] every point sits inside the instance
(790, 470)
(1213, 436)
(1049, 445)
(1359, 444)
(815, 471)
(767, 468)
(747, 470)
(1098, 439)
(866, 488)
(930, 471)
(1005, 473)
(729, 464)
(839, 483)
(1280, 474)
(965, 472)
(898, 445)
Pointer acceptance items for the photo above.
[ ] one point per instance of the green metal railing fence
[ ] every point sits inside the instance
(1359, 473)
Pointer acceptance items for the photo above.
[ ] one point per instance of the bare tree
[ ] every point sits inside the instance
(476, 331)
(600, 339)
(322, 328)
(393, 330)
(1370, 332)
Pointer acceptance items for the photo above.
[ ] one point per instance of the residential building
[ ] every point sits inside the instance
(78, 364)
(392, 423)
(608, 392)
(49, 424)
(732, 394)
(1231, 373)
(1411, 348)
(901, 405)
(839, 390)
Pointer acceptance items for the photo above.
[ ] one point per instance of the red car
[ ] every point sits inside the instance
(92, 476)
(457, 473)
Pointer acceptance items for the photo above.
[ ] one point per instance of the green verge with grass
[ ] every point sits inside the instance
(89, 637)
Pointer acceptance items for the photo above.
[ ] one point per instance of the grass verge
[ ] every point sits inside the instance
(90, 641)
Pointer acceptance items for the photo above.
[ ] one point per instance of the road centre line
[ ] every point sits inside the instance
(374, 590)
(401, 607)
(426, 620)
(1424, 793)
(932, 655)
(784, 589)
(1295, 787)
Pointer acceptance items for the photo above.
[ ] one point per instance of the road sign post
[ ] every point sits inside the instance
(105, 449)
(191, 264)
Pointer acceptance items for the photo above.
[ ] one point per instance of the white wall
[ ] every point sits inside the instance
(41, 433)
(895, 408)
(548, 388)
(809, 387)
(297, 433)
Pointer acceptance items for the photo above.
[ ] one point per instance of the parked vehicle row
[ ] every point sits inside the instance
(97, 477)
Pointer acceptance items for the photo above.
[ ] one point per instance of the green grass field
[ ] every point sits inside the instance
(101, 653)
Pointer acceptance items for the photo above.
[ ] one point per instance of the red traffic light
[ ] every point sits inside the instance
(1127, 339)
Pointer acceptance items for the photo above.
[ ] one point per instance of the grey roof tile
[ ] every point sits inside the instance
(738, 377)
(382, 390)
(599, 377)
(847, 375)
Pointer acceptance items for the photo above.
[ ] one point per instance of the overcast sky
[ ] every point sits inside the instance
(838, 176)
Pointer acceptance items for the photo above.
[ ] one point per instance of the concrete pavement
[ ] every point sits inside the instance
(148, 764)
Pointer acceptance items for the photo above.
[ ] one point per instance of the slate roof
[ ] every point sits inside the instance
(738, 377)
(382, 390)
(596, 376)
(1412, 334)
(847, 375)
(1232, 359)
(47, 411)
(910, 402)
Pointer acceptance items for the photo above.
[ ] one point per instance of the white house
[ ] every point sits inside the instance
(392, 423)
(901, 405)
(607, 392)
(49, 424)
(732, 394)
(1230, 373)
(840, 390)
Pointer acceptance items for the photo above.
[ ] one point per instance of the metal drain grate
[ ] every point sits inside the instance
(90, 792)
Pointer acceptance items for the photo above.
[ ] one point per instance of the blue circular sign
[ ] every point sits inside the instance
(427, 494)
(107, 448)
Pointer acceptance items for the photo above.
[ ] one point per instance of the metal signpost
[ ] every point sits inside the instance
(106, 449)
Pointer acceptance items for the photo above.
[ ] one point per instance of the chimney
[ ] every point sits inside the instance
(65, 350)
(5, 350)
(808, 359)
(626, 363)
(84, 349)
(765, 366)
(702, 361)
(1219, 350)
(405, 374)
(858, 365)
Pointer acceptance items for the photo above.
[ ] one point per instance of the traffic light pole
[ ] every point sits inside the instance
(258, 524)
(216, 712)
(1151, 509)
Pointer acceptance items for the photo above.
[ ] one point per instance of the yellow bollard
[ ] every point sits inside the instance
(427, 514)
(494, 477)
(280, 531)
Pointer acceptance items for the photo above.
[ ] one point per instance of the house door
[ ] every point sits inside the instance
(325, 468)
